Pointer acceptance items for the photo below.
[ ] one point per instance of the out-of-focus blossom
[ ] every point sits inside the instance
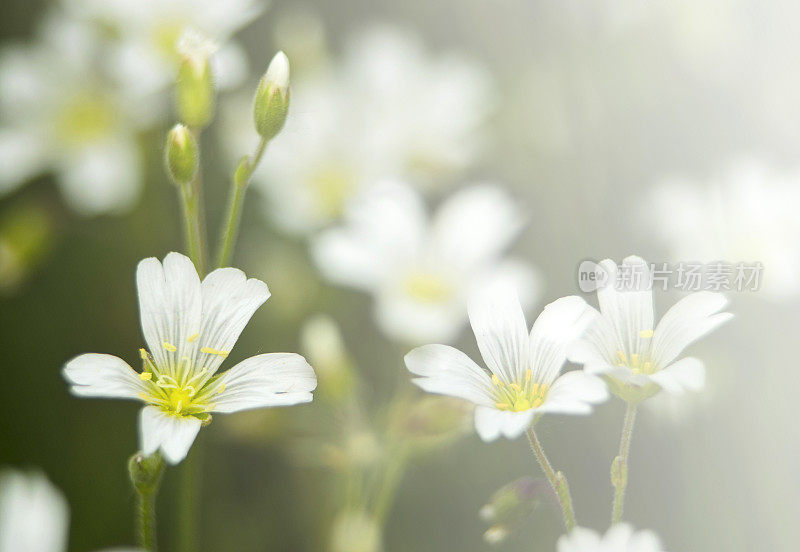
(420, 272)
(748, 213)
(34, 516)
(143, 53)
(623, 343)
(619, 538)
(322, 342)
(386, 110)
(26, 234)
(511, 506)
(190, 327)
(356, 531)
(57, 114)
(524, 368)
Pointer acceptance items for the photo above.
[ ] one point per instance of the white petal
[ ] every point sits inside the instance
(103, 178)
(574, 393)
(33, 514)
(105, 376)
(230, 66)
(688, 320)
(628, 309)
(499, 325)
(491, 423)
(22, 156)
(405, 318)
(580, 539)
(687, 374)
(169, 306)
(559, 324)
(514, 274)
(229, 301)
(173, 435)
(352, 259)
(617, 537)
(447, 371)
(274, 379)
(475, 225)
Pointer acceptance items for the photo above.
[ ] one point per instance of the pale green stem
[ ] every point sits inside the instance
(230, 228)
(145, 474)
(391, 478)
(557, 479)
(188, 500)
(192, 203)
(619, 468)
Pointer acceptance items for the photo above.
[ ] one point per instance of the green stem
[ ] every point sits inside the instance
(145, 473)
(557, 479)
(391, 477)
(230, 229)
(192, 203)
(619, 468)
(187, 501)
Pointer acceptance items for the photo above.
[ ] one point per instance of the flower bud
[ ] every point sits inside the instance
(272, 98)
(195, 93)
(511, 505)
(145, 472)
(181, 154)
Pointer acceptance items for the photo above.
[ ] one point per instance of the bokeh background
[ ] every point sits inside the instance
(665, 129)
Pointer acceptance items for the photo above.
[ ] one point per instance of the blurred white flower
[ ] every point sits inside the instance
(621, 341)
(420, 272)
(57, 114)
(386, 110)
(525, 368)
(145, 50)
(748, 213)
(34, 516)
(619, 538)
(190, 327)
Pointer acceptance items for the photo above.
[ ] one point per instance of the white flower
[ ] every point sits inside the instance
(386, 110)
(34, 516)
(624, 343)
(144, 53)
(746, 213)
(419, 272)
(190, 327)
(56, 114)
(524, 368)
(619, 538)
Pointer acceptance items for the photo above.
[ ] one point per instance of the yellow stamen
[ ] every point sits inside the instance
(515, 387)
(496, 380)
(144, 396)
(503, 406)
(146, 376)
(635, 359)
(646, 334)
(144, 354)
(178, 407)
(193, 338)
(622, 357)
(210, 351)
(222, 387)
(528, 375)
(169, 347)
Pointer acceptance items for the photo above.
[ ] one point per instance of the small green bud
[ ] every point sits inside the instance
(243, 171)
(272, 98)
(511, 505)
(195, 94)
(145, 472)
(181, 154)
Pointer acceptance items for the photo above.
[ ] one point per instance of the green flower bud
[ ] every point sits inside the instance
(511, 505)
(195, 94)
(181, 154)
(272, 98)
(145, 472)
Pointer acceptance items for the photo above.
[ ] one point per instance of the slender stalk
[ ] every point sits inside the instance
(230, 228)
(619, 468)
(145, 473)
(188, 500)
(391, 477)
(557, 479)
(192, 202)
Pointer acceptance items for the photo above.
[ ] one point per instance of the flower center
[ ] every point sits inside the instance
(85, 118)
(427, 287)
(521, 396)
(331, 185)
(638, 363)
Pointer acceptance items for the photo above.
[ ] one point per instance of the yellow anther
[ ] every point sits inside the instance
(503, 406)
(515, 387)
(222, 387)
(210, 351)
(178, 407)
(144, 354)
(528, 375)
(169, 347)
(193, 338)
(146, 376)
(647, 367)
(622, 357)
(635, 359)
(496, 380)
(144, 396)
(646, 334)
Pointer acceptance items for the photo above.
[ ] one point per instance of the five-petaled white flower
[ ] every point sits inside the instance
(623, 343)
(619, 538)
(34, 516)
(524, 381)
(422, 272)
(190, 327)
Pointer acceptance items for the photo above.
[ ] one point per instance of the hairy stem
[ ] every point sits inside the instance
(557, 479)
(145, 474)
(192, 203)
(230, 228)
(187, 501)
(619, 468)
